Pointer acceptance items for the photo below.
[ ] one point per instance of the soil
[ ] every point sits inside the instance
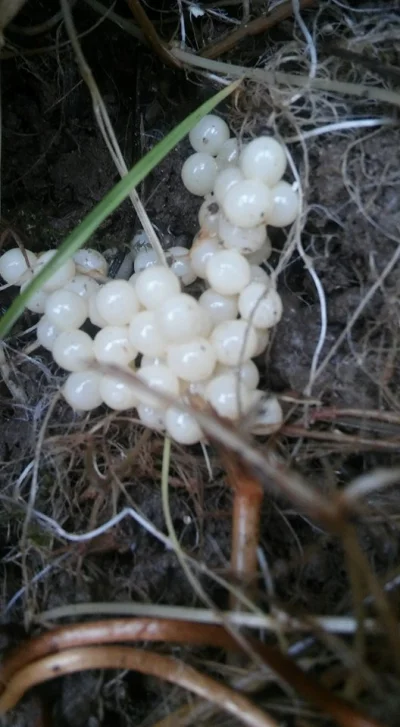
(55, 168)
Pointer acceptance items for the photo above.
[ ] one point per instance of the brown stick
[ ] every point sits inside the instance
(255, 27)
(151, 35)
(131, 630)
(359, 443)
(125, 657)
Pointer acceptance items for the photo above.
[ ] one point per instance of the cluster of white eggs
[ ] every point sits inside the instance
(176, 344)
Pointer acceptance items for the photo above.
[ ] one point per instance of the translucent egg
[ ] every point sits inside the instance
(112, 346)
(193, 361)
(209, 215)
(234, 342)
(179, 260)
(219, 307)
(90, 262)
(160, 379)
(228, 154)
(179, 318)
(286, 205)
(66, 310)
(228, 397)
(228, 272)
(73, 350)
(151, 417)
(248, 203)
(61, 277)
(155, 285)
(82, 285)
(261, 255)
(263, 159)
(259, 275)
(244, 239)
(125, 268)
(198, 174)
(145, 334)
(117, 393)
(182, 427)
(262, 341)
(94, 315)
(13, 264)
(82, 390)
(224, 180)
(117, 302)
(37, 301)
(46, 333)
(209, 134)
(145, 259)
(268, 417)
(247, 373)
(203, 249)
(260, 304)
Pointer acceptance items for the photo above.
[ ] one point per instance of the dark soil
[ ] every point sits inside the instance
(55, 168)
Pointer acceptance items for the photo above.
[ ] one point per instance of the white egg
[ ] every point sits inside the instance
(182, 427)
(94, 315)
(247, 373)
(268, 415)
(224, 180)
(160, 379)
(145, 259)
(151, 417)
(13, 264)
(46, 333)
(155, 285)
(82, 285)
(228, 272)
(206, 323)
(261, 305)
(179, 260)
(145, 334)
(244, 239)
(132, 280)
(198, 173)
(262, 341)
(112, 346)
(234, 342)
(37, 301)
(248, 203)
(66, 310)
(286, 205)
(117, 302)
(90, 262)
(73, 350)
(228, 154)
(219, 307)
(209, 134)
(203, 248)
(209, 215)
(82, 390)
(261, 255)
(228, 397)
(259, 275)
(152, 361)
(60, 277)
(193, 361)
(117, 393)
(263, 159)
(179, 318)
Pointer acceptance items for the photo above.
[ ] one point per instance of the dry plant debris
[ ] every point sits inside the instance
(315, 506)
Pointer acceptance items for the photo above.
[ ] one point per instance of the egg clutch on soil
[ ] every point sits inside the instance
(178, 345)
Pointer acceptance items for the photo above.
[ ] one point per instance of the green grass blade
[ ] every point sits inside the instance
(81, 234)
